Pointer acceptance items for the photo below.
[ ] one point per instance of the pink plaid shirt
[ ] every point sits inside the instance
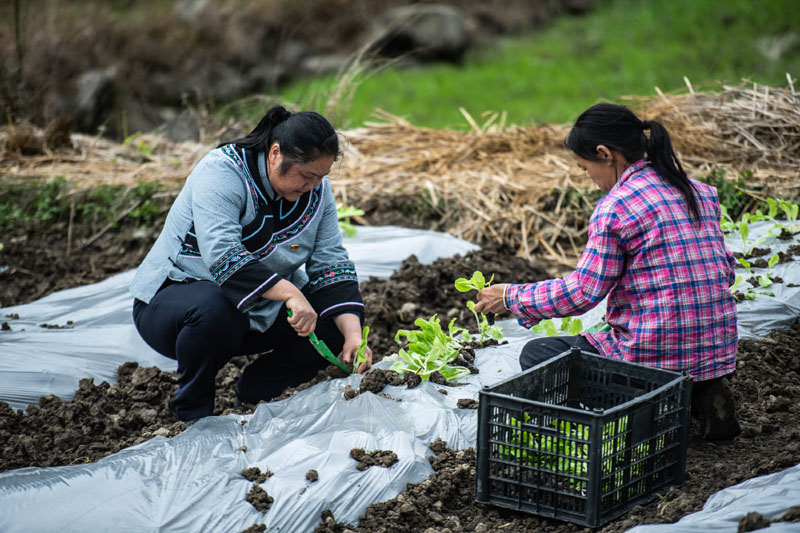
(667, 279)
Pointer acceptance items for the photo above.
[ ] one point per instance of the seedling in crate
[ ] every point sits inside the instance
(573, 326)
(430, 349)
(567, 450)
(546, 326)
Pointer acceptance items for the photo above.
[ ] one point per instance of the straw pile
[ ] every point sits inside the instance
(747, 127)
(514, 185)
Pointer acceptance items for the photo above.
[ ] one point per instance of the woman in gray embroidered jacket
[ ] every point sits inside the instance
(252, 235)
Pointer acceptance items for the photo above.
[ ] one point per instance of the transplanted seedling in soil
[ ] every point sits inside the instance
(361, 355)
(343, 214)
(430, 350)
(477, 283)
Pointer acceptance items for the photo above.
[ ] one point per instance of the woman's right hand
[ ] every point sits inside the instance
(304, 318)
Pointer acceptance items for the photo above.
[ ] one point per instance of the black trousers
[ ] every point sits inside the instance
(195, 324)
(543, 348)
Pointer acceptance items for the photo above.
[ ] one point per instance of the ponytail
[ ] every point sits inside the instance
(667, 165)
(302, 137)
(618, 128)
(262, 134)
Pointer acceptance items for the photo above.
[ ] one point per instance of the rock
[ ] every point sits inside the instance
(183, 127)
(324, 64)
(94, 98)
(430, 32)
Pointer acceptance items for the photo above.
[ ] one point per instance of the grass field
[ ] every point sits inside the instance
(622, 47)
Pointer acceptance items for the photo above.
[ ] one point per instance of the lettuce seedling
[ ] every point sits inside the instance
(361, 355)
(343, 215)
(429, 349)
(494, 331)
(744, 234)
(764, 279)
(772, 212)
(477, 282)
(547, 327)
(791, 211)
(573, 326)
(726, 223)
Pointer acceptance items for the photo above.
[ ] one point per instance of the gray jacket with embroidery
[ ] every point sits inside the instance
(229, 226)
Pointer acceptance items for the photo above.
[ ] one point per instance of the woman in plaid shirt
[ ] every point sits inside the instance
(656, 250)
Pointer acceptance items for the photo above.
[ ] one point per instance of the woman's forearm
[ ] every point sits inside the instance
(349, 324)
(282, 291)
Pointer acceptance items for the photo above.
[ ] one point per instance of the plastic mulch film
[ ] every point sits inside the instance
(769, 495)
(765, 313)
(193, 482)
(88, 332)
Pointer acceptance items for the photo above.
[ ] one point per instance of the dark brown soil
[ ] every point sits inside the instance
(102, 419)
(366, 459)
(259, 498)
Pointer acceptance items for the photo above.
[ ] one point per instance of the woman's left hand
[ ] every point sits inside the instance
(350, 326)
(490, 299)
(351, 344)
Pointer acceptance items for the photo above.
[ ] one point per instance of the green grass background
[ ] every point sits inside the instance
(621, 47)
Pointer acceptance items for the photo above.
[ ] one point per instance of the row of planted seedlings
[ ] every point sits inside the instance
(784, 228)
(429, 353)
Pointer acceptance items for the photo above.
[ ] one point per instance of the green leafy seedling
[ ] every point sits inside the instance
(764, 280)
(429, 349)
(573, 326)
(791, 211)
(343, 215)
(726, 223)
(477, 282)
(361, 355)
(746, 264)
(547, 327)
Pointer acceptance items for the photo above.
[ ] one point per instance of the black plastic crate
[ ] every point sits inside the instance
(582, 438)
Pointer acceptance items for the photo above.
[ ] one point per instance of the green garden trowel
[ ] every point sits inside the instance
(323, 349)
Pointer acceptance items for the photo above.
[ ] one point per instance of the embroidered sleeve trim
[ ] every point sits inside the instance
(336, 273)
(345, 306)
(231, 262)
(258, 291)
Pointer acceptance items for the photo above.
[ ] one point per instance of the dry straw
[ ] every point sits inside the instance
(499, 183)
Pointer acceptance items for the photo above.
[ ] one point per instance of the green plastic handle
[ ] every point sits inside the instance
(323, 349)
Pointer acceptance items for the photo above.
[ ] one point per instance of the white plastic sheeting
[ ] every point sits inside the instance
(193, 482)
(769, 495)
(36, 361)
